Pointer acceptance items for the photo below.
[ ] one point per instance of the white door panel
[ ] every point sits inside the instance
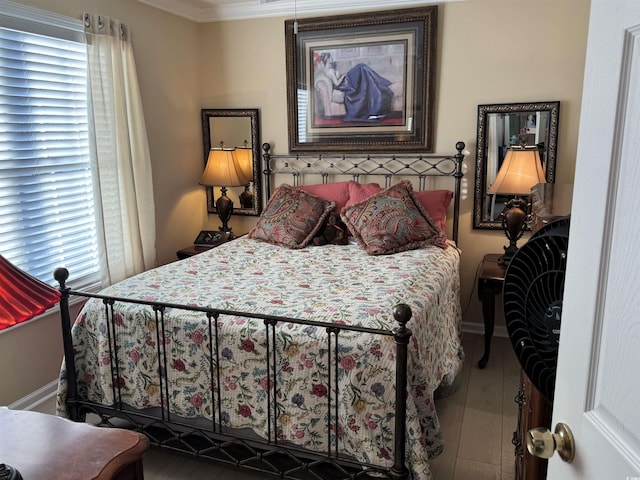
(598, 377)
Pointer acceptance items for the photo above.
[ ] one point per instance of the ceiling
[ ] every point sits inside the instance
(221, 10)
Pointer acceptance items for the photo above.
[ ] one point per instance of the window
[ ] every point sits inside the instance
(303, 98)
(47, 215)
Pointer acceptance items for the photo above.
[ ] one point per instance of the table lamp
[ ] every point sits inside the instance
(223, 170)
(520, 170)
(22, 296)
(244, 157)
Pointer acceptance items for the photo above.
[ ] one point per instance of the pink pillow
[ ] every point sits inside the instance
(392, 221)
(436, 202)
(337, 192)
(361, 191)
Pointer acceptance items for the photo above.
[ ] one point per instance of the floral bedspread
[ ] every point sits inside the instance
(333, 284)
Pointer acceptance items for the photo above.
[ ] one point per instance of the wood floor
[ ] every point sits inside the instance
(478, 421)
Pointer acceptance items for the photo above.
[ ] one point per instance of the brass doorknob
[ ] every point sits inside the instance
(542, 443)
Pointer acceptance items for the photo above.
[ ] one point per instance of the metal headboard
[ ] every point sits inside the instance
(329, 166)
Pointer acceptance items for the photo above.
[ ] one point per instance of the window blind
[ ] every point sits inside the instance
(303, 98)
(47, 215)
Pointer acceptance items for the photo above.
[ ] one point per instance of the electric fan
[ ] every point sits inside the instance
(532, 296)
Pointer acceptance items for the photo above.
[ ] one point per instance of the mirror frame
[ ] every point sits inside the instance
(253, 115)
(553, 108)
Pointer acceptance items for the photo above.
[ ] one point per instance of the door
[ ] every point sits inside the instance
(598, 377)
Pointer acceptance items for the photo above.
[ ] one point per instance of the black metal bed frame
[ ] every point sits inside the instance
(359, 166)
(213, 441)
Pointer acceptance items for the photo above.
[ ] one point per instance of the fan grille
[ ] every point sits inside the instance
(533, 290)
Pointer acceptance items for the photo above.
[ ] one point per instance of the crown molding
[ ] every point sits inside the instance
(203, 11)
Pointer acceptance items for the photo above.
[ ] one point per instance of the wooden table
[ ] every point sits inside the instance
(490, 282)
(45, 446)
(190, 251)
(196, 249)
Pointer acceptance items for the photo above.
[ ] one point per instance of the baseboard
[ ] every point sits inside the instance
(34, 399)
(473, 327)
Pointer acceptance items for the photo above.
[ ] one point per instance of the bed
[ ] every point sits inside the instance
(297, 360)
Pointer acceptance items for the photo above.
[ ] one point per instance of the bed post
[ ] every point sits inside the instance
(402, 314)
(61, 275)
(458, 176)
(266, 157)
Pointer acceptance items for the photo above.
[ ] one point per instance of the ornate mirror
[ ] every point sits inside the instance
(235, 128)
(499, 127)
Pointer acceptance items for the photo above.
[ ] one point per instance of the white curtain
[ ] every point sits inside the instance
(120, 153)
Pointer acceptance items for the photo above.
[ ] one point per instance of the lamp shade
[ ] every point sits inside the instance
(223, 170)
(22, 296)
(244, 158)
(520, 170)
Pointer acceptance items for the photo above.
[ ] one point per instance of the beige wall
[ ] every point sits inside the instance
(166, 48)
(490, 51)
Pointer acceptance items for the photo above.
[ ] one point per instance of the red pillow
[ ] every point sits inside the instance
(337, 192)
(361, 191)
(436, 202)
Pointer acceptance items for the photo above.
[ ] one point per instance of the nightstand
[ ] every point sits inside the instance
(191, 251)
(212, 242)
(490, 281)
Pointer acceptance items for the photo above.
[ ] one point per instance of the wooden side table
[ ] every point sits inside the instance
(196, 249)
(190, 251)
(45, 446)
(490, 281)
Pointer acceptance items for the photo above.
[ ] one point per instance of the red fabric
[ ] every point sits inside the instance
(337, 192)
(22, 296)
(436, 202)
(361, 191)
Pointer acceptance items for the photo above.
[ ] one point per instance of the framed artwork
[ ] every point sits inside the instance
(362, 82)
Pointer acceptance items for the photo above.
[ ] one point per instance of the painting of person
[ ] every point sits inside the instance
(367, 94)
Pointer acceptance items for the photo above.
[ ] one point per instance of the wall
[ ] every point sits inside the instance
(166, 50)
(167, 59)
(490, 51)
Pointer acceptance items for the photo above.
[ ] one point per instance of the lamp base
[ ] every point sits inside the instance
(224, 205)
(246, 198)
(509, 252)
(514, 223)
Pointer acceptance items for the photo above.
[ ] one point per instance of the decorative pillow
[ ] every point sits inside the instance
(292, 218)
(361, 191)
(392, 221)
(435, 203)
(337, 192)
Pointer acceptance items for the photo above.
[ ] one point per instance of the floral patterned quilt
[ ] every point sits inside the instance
(332, 284)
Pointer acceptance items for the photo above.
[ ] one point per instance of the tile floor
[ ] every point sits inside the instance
(478, 421)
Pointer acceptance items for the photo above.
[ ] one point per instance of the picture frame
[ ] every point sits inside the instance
(362, 81)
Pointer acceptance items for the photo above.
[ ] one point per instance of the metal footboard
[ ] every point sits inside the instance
(210, 439)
